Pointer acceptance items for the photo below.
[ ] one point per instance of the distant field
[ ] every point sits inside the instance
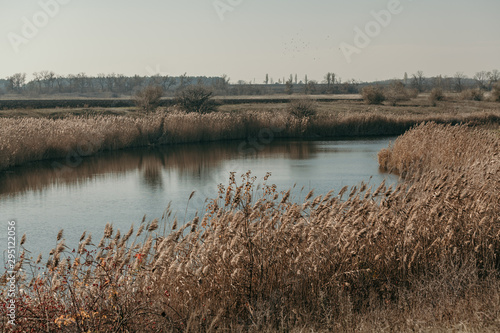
(330, 104)
(46, 103)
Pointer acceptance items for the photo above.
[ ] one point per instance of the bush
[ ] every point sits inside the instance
(472, 95)
(373, 95)
(495, 93)
(196, 99)
(436, 95)
(302, 108)
(148, 98)
(413, 93)
(396, 92)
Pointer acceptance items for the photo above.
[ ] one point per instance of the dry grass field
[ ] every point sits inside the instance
(339, 104)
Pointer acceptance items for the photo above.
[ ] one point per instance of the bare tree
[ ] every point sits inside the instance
(481, 79)
(418, 81)
(148, 98)
(136, 82)
(222, 83)
(311, 87)
(82, 82)
(121, 84)
(46, 79)
(111, 82)
(195, 99)
(184, 81)
(101, 80)
(493, 77)
(447, 83)
(459, 81)
(59, 81)
(396, 92)
(289, 86)
(167, 82)
(328, 79)
(37, 81)
(17, 82)
(437, 82)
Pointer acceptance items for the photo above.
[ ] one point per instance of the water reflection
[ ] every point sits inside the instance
(191, 161)
(120, 187)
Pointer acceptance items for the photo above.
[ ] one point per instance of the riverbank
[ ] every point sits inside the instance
(27, 136)
(423, 256)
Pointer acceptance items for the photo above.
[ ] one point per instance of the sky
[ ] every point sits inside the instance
(365, 40)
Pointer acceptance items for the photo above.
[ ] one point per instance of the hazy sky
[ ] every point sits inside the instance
(246, 39)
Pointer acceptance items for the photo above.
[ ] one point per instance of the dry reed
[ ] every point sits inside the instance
(419, 256)
(24, 140)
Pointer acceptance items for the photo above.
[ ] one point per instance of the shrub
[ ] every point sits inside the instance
(196, 99)
(148, 98)
(472, 95)
(396, 92)
(289, 87)
(436, 95)
(413, 93)
(373, 95)
(495, 93)
(302, 108)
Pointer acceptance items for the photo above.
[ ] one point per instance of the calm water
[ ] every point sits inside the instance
(121, 187)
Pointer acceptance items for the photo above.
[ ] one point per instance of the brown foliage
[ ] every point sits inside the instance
(302, 108)
(436, 95)
(373, 95)
(495, 92)
(196, 99)
(148, 98)
(472, 95)
(396, 93)
(25, 140)
(424, 252)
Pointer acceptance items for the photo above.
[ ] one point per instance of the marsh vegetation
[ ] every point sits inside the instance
(421, 255)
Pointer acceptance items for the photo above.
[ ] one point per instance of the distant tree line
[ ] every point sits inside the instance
(116, 85)
(106, 85)
(484, 80)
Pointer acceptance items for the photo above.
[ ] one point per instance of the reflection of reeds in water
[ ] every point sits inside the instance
(191, 159)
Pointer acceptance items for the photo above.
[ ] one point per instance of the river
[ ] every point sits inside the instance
(121, 187)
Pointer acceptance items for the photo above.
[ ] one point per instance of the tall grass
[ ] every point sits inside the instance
(421, 255)
(25, 140)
